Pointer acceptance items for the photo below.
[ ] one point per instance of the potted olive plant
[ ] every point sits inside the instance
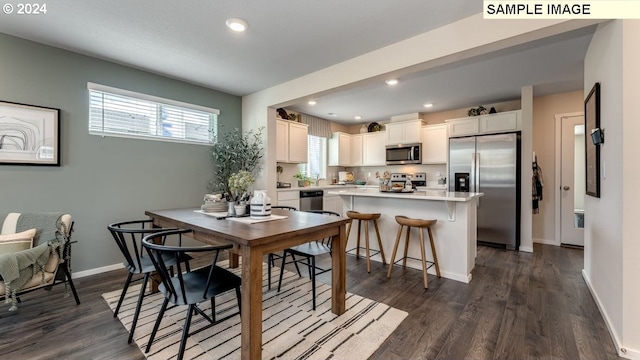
(233, 152)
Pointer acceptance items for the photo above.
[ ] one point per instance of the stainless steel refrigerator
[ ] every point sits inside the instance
(490, 164)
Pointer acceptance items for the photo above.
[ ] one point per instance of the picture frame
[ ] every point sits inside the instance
(29, 135)
(592, 151)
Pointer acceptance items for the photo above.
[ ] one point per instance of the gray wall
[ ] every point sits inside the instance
(100, 180)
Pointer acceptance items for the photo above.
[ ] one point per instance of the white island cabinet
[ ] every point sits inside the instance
(454, 232)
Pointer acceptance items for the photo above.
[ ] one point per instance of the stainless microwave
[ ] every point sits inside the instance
(404, 154)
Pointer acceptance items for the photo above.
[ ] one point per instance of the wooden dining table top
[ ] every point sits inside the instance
(257, 234)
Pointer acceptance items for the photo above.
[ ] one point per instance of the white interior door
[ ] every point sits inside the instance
(572, 181)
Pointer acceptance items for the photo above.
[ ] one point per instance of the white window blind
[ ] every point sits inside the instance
(317, 155)
(117, 112)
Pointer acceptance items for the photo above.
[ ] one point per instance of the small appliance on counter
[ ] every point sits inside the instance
(283, 185)
(419, 179)
(345, 177)
(401, 181)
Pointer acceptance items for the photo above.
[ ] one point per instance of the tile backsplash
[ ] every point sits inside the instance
(368, 173)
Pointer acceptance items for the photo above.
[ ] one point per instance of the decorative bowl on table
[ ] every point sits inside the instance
(360, 182)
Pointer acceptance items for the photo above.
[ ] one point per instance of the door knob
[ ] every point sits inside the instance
(565, 188)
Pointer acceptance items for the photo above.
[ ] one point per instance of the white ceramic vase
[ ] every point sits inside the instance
(260, 206)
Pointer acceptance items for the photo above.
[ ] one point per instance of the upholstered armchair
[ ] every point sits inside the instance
(35, 251)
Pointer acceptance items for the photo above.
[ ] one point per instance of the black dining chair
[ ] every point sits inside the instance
(188, 286)
(307, 253)
(272, 257)
(128, 236)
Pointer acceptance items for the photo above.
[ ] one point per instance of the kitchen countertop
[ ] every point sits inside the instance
(434, 195)
(353, 186)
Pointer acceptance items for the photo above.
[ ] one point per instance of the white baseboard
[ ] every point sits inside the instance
(528, 249)
(622, 351)
(545, 241)
(81, 274)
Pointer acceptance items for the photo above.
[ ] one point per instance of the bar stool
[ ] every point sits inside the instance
(421, 224)
(354, 215)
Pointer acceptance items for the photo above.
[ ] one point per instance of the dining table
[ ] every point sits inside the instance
(251, 241)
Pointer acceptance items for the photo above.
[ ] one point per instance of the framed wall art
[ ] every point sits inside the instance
(29, 135)
(592, 151)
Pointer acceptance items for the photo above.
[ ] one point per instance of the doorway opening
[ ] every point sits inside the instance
(570, 179)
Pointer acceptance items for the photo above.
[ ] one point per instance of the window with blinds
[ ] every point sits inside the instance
(117, 112)
(317, 158)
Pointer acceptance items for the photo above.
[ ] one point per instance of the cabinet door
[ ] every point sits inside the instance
(411, 132)
(298, 143)
(464, 126)
(373, 149)
(282, 141)
(395, 133)
(501, 122)
(340, 149)
(356, 150)
(293, 203)
(332, 203)
(406, 132)
(434, 144)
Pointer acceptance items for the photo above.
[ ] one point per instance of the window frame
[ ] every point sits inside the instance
(158, 101)
(305, 167)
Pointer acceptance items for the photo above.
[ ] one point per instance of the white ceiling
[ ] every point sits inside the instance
(188, 40)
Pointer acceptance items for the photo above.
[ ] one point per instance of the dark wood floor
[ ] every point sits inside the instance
(518, 306)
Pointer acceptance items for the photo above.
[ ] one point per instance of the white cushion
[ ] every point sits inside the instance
(17, 242)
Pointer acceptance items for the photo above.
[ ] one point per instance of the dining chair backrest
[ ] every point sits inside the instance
(327, 240)
(174, 286)
(128, 236)
(284, 207)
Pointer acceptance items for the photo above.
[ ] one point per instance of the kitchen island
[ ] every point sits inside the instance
(454, 233)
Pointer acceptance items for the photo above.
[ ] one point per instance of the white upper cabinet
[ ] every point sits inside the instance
(404, 132)
(500, 122)
(282, 146)
(486, 124)
(462, 127)
(373, 148)
(339, 149)
(435, 143)
(292, 142)
(356, 150)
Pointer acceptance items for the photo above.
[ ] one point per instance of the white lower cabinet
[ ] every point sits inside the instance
(289, 198)
(332, 203)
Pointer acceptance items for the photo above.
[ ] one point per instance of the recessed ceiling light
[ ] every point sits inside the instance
(358, 117)
(391, 82)
(333, 114)
(237, 25)
(428, 105)
(311, 102)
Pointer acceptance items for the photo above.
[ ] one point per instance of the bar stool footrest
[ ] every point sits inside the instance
(429, 263)
(373, 252)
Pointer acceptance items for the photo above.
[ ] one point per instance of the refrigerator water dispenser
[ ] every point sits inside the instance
(462, 182)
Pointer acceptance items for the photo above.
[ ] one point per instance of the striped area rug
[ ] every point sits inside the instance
(290, 328)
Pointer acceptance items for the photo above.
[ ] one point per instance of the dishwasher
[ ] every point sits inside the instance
(311, 199)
